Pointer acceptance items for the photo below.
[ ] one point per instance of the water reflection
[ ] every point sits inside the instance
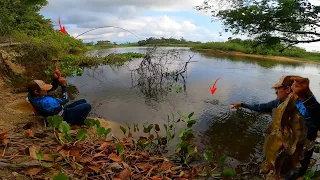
(160, 73)
(235, 134)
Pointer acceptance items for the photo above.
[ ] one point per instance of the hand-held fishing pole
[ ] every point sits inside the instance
(63, 30)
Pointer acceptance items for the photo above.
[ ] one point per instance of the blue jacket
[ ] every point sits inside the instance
(48, 105)
(308, 110)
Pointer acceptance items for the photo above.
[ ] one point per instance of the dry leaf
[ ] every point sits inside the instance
(96, 168)
(33, 151)
(5, 141)
(137, 176)
(3, 134)
(115, 158)
(59, 148)
(181, 174)
(165, 166)
(86, 159)
(117, 179)
(105, 144)
(33, 171)
(29, 133)
(99, 155)
(75, 151)
(144, 166)
(125, 175)
(155, 178)
(144, 154)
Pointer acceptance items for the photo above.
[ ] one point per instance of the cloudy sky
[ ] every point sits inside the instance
(144, 18)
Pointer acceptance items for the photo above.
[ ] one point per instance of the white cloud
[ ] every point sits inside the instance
(81, 15)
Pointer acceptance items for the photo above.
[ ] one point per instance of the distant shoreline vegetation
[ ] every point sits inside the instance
(236, 45)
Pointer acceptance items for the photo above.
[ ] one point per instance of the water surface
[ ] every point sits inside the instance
(118, 96)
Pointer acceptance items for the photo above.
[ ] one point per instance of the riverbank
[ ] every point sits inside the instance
(254, 56)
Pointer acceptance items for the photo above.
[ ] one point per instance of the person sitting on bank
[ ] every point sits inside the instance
(45, 105)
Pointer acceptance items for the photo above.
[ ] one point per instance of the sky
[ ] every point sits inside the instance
(143, 18)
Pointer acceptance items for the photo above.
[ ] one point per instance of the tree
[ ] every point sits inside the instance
(23, 16)
(270, 21)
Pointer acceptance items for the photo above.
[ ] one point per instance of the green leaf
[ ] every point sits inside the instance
(61, 176)
(191, 150)
(180, 113)
(55, 156)
(55, 121)
(107, 132)
(187, 160)
(82, 134)
(222, 160)
(90, 122)
(190, 115)
(150, 127)
(124, 130)
(64, 127)
(98, 124)
(119, 148)
(309, 174)
(165, 127)
(67, 137)
(229, 173)
(208, 155)
(169, 137)
(39, 155)
(191, 123)
(101, 131)
(216, 175)
(128, 126)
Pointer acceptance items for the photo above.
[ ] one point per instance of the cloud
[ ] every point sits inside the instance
(144, 18)
(80, 16)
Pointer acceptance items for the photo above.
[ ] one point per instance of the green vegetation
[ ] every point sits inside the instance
(73, 64)
(269, 21)
(100, 45)
(254, 47)
(40, 44)
(166, 42)
(88, 151)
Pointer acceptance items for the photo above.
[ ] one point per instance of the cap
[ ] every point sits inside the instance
(285, 81)
(38, 84)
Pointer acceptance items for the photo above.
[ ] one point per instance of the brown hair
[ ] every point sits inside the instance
(32, 86)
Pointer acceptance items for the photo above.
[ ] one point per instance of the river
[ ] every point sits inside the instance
(120, 96)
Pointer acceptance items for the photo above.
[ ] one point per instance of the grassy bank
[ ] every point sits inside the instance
(250, 47)
(74, 64)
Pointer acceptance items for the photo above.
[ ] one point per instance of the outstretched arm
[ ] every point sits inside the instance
(262, 108)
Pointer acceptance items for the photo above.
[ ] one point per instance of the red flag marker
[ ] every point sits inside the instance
(213, 88)
(62, 28)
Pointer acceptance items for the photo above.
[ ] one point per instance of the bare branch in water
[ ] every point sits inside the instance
(160, 72)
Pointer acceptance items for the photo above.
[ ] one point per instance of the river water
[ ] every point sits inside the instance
(120, 95)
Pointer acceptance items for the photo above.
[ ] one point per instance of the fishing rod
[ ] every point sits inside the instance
(62, 28)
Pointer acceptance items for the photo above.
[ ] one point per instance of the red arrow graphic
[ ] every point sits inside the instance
(62, 28)
(213, 88)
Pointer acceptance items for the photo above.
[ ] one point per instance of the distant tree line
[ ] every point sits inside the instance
(162, 40)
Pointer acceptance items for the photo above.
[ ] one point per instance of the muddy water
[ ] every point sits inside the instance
(119, 96)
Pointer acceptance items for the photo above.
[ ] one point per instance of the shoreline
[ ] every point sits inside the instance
(255, 56)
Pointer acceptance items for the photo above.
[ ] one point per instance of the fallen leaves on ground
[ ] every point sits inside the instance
(33, 171)
(115, 157)
(94, 159)
(29, 133)
(125, 174)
